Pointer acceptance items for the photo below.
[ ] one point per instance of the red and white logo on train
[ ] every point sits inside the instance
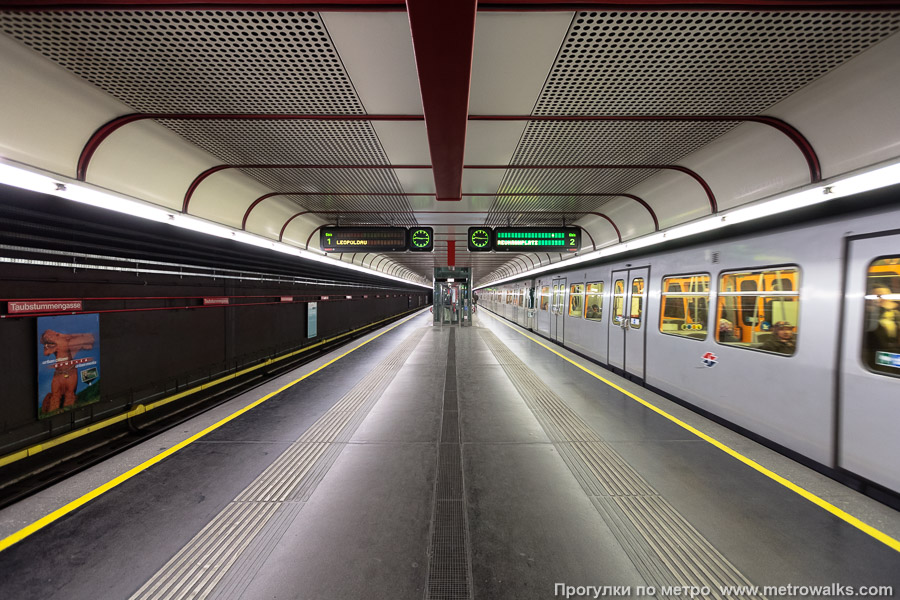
(709, 359)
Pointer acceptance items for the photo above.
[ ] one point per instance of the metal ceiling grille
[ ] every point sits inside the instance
(196, 61)
(700, 63)
(613, 142)
(565, 181)
(284, 142)
(229, 62)
(335, 181)
(369, 210)
(668, 63)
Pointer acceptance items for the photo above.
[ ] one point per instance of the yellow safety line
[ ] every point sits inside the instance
(60, 512)
(142, 408)
(864, 527)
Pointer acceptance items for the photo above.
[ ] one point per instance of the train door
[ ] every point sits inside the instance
(558, 310)
(868, 444)
(627, 331)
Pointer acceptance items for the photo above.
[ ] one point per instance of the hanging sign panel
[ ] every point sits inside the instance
(68, 362)
(537, 239)
(363, 239)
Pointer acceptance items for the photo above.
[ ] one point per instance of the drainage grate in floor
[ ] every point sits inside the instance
(449, 567)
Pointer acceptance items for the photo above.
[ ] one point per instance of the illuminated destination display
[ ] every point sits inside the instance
(540, 239)
(421, 239)
(363, 239)
(480, 239)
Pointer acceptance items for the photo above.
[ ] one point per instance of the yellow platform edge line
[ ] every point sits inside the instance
(26, 531)
(841, 514)
(142, 408)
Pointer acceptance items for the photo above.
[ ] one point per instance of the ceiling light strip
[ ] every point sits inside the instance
(79, 192)
(849, 185)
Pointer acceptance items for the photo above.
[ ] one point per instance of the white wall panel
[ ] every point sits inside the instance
(852, 115)
(224, 197)
(404, 142)
(377, 51)
(600, 229)
(416, 181)
(147, 161)
(48, 113)
(512, 55)
(750, 162)
(299, 229)
(481, 181)
(268, 217)
(492, 142)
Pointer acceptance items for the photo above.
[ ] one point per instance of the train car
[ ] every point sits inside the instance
(790, 334)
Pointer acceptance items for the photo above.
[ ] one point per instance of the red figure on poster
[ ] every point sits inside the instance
(65, 380)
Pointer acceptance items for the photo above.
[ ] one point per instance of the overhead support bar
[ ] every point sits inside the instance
(202, 176)
(107, 129)
(640, 201)
(489, 5)
(443, 36)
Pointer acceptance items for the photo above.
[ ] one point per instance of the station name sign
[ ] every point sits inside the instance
(43, 306)
(524, 239)
(376, 239)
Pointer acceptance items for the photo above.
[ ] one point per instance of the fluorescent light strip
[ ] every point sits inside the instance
(838, 188)
(36, 182)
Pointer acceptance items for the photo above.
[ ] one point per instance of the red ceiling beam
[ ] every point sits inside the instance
(443, 36)
(492, 5)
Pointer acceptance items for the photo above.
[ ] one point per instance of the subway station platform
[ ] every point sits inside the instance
(446, 462)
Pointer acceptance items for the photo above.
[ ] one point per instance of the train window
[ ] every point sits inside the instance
(637, 303)
(576, 299)
(593, 301)
(759, 309)
(685, 306)
(881, 336)
(545, 297)
(748, 303)
(618, 312)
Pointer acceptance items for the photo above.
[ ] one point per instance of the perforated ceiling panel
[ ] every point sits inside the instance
(668, 63)
(562, 181)
(358, 210)
(336, 181)
(196, 61)
(284, 142)
(630, 63)
(228, 62)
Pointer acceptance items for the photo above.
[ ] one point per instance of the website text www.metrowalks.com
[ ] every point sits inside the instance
(563, 590)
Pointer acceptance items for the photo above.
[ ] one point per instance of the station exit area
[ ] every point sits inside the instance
(453, 303)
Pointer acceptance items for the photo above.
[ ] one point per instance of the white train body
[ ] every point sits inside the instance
(823, 402)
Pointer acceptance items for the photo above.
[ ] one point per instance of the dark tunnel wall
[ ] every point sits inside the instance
(146, 355)
(155, 346)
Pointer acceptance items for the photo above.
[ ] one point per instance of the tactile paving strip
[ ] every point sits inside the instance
(264, 507)
(665, 548)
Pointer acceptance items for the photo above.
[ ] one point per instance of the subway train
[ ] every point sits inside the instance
(789, 335)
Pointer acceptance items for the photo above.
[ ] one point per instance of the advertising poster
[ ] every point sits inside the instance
(68, 362)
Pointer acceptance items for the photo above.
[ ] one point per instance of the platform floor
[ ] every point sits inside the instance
(447, 463)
